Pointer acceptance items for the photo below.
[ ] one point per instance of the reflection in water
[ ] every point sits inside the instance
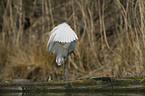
(73, 94)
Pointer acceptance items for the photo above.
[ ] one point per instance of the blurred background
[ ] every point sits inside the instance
(111, 38)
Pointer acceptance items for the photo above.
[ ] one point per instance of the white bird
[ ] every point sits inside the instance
(62, 43)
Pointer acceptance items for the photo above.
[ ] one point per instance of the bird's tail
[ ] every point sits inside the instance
(59, 60)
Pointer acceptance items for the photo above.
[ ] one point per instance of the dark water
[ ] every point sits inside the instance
(72, 94)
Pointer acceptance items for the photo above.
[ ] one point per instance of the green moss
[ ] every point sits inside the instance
(137, 77)
(143, 81)
(124, 82)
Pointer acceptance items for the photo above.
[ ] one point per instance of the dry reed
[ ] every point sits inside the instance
(111, 38)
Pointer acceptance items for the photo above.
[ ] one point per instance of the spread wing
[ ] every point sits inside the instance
(62, 33)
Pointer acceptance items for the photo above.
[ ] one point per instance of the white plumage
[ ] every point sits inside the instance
(62, 42)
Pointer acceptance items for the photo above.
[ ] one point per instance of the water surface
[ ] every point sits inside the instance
(72, 94)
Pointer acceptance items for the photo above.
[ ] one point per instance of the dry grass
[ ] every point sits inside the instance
(111, 38)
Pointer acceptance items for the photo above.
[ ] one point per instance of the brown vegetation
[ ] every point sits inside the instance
(111, 38)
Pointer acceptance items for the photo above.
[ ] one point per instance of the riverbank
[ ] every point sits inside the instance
(102, 84)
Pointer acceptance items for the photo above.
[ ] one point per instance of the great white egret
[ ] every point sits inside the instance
(62, 43)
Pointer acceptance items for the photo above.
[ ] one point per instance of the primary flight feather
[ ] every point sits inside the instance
(62, 42)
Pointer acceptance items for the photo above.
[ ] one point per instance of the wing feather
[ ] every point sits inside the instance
(65, 34)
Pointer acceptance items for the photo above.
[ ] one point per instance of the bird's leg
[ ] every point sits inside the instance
(64, 70)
